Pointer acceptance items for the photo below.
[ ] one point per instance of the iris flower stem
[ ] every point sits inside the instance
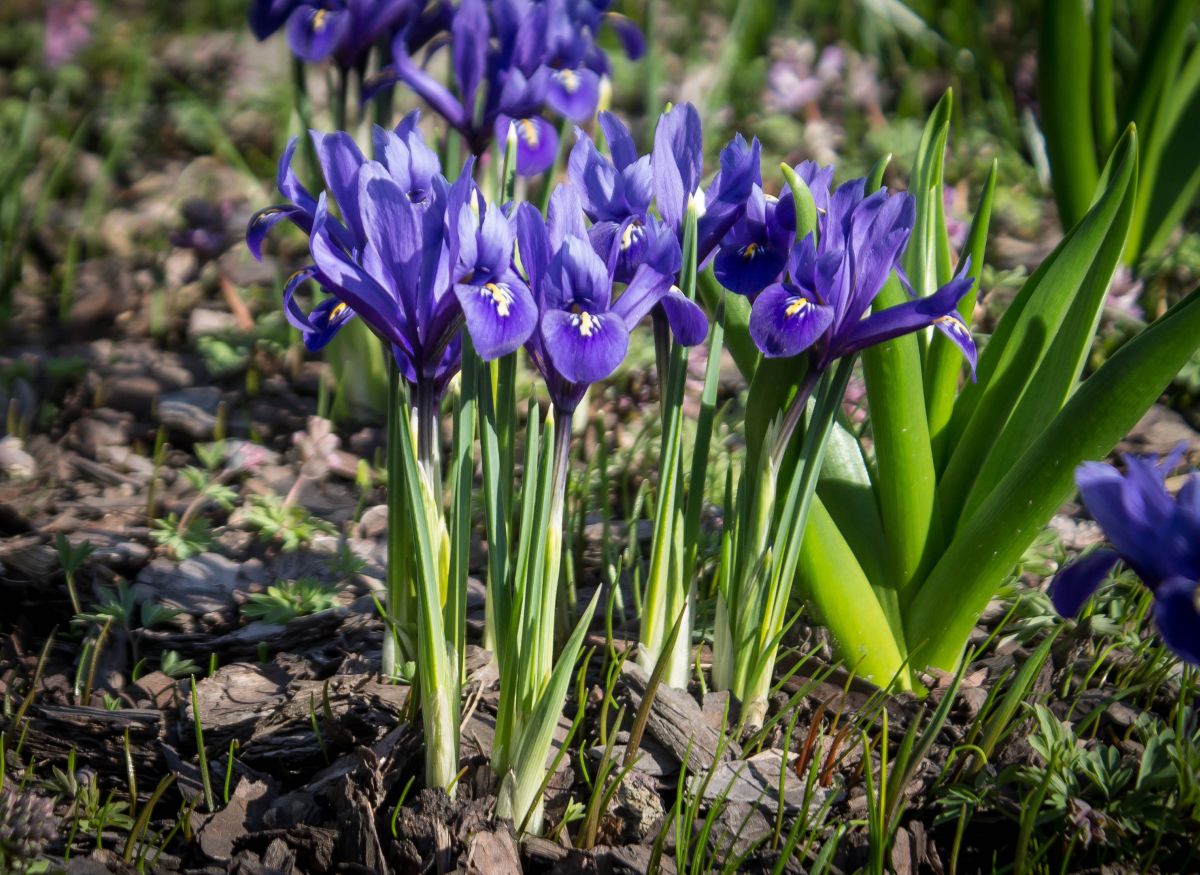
(399, 600)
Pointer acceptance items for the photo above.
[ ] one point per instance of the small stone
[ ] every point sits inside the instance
(191, 411)
(15, 463)
(202, 322)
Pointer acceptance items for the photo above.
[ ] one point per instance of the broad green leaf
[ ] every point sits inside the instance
(1025, 334)
(1059, 372)
(1102, 411)
(944, 362)
(906, 480)
(1158, 62)
(1064, 97)
(893, 372)
(832, 583)
(848, 492)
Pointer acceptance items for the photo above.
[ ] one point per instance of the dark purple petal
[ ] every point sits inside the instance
(1104, 491)
(594, 177)
(290, 185)
(628, 33)
(688, 322)
(577, 279)
(352, 284)
(584, 347)
(340, 159)
(747, 270)
(264, 220)
(620, 142)
(784, 321)
(1175, 611)
(315, 33)
(677, 161)
(428, 88)
(327, 319)
(500, 315)
(953, 327)
(565, 216)
(267, 16)
(902, 319)
(573, 94)
(1074, 584)
(643, 292)
(292, 311)
(637, 186)
(533, 243)
(392, 231)
(469, 34)
(537, 143)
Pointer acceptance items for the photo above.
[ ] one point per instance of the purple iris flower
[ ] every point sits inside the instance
(617, 192)
(829, 283)
(755, 251)
(584, 328)
(512, 59)
(341, 30)
(412, 255)
(1156, 535)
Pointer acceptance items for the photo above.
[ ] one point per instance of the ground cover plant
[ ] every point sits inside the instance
(540, 435)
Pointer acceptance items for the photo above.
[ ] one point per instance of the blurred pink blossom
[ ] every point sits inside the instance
(68, 29)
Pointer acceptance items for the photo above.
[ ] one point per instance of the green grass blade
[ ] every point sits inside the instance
(735, 320)
(988, 544)
(1104, 101)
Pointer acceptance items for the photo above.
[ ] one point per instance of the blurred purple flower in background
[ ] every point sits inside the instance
(1154, 533)
(68, 30)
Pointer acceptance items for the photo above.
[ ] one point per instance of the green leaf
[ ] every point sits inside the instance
(1060, 370)
(906, 481)
(735, 319)
(831, 581)
(519, 786)
(988, 545)
(944, 363)
(899, 422)
(1064, 96)
(1104, 101)
(1171, 169)
(1026, 333)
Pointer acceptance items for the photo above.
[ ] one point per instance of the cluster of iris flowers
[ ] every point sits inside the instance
(455, 276)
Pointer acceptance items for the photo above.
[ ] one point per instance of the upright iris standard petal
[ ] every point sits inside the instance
(785, 320)
(677, 162)
(469, 34)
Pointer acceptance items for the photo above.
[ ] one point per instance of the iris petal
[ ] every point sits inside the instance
(784, 321)
(584, 347)
(1075, 583)
(1175, 611)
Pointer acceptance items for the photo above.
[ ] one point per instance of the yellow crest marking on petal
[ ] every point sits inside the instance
(749, 251)
(501, 297)
(319, 18)
(529, 132)
(588, 323)
(955, 325)
(796, 306)
(569, 80)
(630, 230)
(337, 311)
